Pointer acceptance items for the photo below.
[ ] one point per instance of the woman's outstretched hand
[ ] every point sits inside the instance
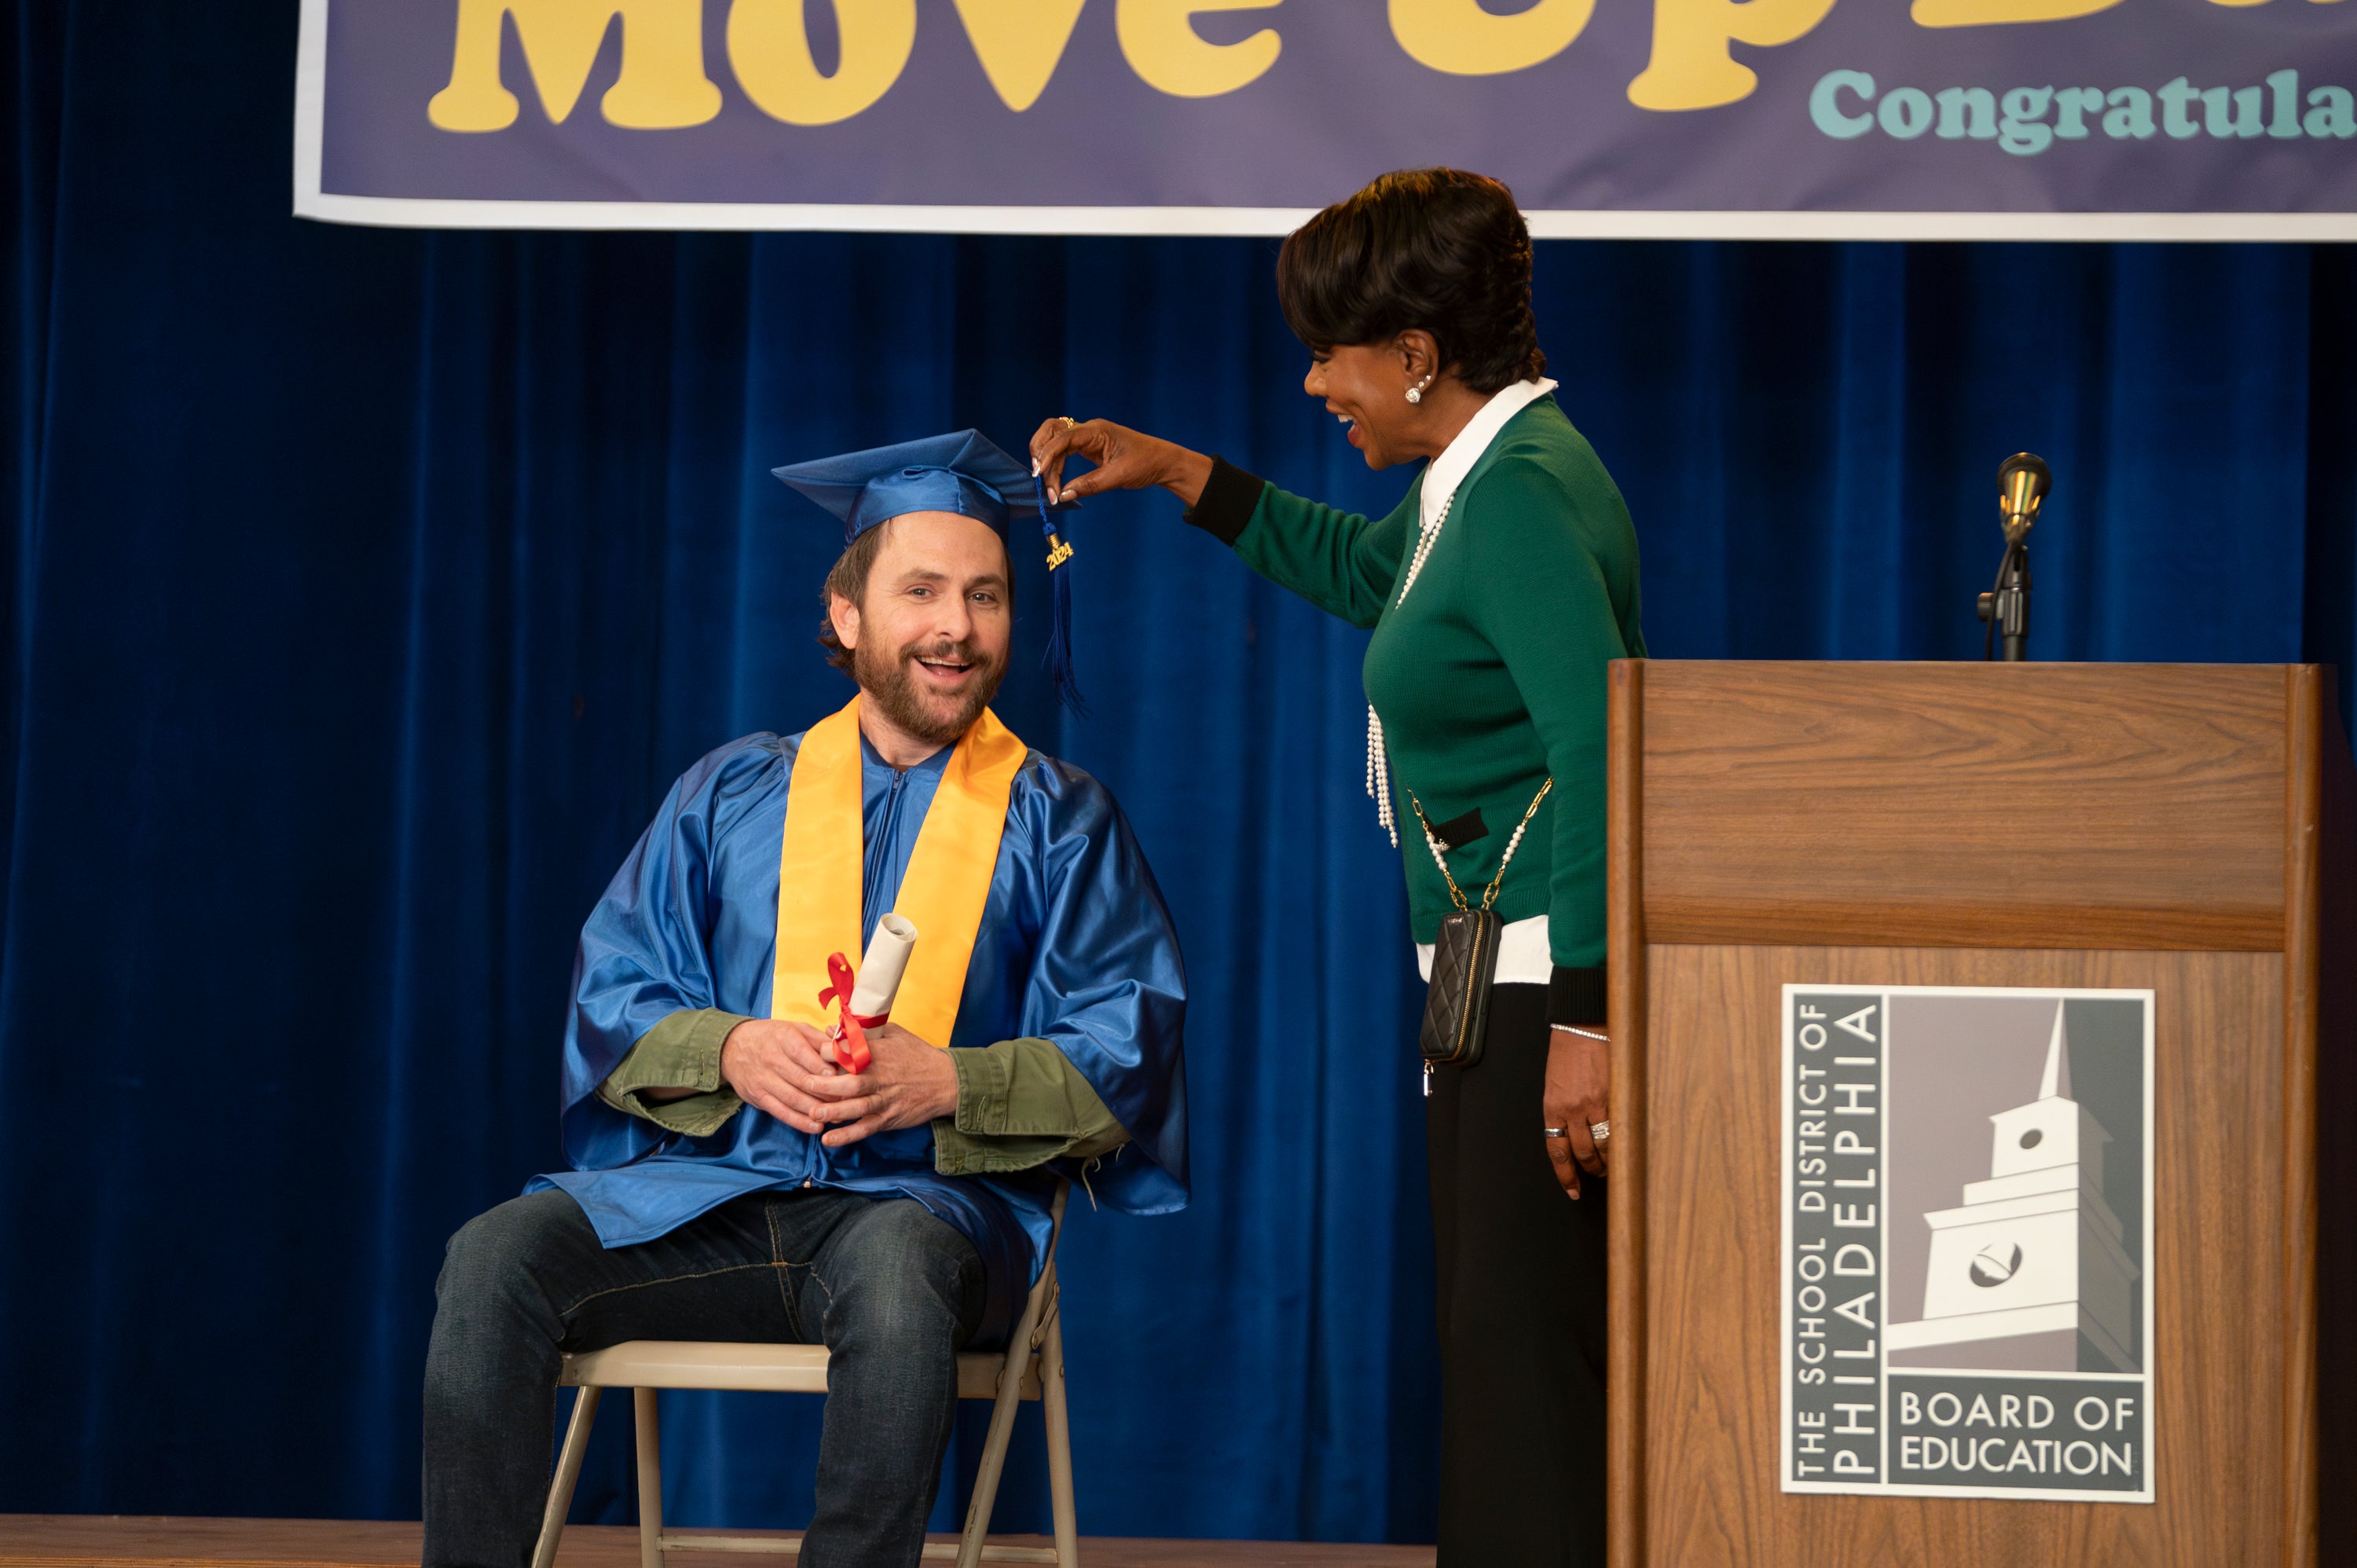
(1125, 459)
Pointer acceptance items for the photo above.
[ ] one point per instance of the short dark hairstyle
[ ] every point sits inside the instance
(1437, 249)
(848, 577)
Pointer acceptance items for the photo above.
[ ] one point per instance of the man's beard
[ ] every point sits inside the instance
(889, 681)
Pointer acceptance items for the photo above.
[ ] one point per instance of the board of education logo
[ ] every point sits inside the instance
(1967, 1182)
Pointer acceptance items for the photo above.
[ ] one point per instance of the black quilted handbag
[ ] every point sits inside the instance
(1464, 958)
(1457, 1008)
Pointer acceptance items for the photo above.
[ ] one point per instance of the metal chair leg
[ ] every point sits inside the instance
(568, 1473)
(1059, 1445)
(650, 1444)
(1002, 1427)
(1020, 1345)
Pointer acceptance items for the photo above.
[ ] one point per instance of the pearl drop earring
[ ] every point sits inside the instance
(1415, 392)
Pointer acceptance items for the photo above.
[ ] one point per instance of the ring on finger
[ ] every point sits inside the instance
(1599, 1131)
(1557, 1132)
(1067, 421)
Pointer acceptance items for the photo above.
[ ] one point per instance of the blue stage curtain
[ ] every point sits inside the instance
(365, 589)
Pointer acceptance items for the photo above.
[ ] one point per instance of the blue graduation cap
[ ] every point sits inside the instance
(965, 473)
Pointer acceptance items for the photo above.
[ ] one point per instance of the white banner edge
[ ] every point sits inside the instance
(310, 100)
(1250, 222)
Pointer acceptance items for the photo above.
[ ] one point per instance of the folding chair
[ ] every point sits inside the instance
(1031, 1367)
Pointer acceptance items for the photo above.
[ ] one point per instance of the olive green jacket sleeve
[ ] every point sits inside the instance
(1020, 1103)
(681, 1052)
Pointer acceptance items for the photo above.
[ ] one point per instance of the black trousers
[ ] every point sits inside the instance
(1521, 1312)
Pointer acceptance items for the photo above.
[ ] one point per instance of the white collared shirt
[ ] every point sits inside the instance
(1457, 459)
(1523, 956)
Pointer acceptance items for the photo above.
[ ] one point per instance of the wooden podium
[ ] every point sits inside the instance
(2166, 827)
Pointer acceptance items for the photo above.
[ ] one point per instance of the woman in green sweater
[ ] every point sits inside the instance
(1497, 590)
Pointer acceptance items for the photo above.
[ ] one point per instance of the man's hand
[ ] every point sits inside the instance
(1125, 459)
(1578, 1088)
(778, 1066)
(907, 1084)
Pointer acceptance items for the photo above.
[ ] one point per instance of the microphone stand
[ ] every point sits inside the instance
(2007, 610)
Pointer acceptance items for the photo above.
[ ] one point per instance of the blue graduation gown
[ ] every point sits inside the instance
(1075, 947)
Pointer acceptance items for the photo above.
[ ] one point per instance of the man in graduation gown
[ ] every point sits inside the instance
(731, 1180)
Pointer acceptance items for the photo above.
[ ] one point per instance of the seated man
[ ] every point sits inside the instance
(731, 1180)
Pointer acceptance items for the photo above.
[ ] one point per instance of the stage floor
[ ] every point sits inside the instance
(57, 1541)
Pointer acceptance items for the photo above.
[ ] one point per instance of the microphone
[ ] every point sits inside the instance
(2022, 481)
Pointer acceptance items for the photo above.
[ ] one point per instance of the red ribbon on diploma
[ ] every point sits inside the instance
(849, 1030)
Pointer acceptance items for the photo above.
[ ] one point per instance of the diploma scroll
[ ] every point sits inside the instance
(880, 971)
(867, 1002)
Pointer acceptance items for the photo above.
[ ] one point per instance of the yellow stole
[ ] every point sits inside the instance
(821, 872)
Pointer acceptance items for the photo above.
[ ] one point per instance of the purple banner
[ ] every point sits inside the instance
(2097, 118)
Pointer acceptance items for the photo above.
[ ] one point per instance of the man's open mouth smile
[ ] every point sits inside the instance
(944, 668)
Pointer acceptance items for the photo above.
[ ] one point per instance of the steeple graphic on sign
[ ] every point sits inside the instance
(2056, 1084)
(2029, 1272)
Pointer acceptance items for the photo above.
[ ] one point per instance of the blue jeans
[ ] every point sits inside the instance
(891, 1290)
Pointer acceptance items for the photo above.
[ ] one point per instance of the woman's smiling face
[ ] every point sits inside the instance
(1365, 386)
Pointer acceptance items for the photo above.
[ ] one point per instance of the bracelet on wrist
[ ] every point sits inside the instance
(1583, 1034)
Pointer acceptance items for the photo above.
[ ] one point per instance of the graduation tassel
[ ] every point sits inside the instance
(1057, 660)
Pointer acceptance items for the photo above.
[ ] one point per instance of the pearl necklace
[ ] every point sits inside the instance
(1426, 533)
(1379, 776)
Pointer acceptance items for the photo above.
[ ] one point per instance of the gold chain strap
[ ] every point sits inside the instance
(1513, 844)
